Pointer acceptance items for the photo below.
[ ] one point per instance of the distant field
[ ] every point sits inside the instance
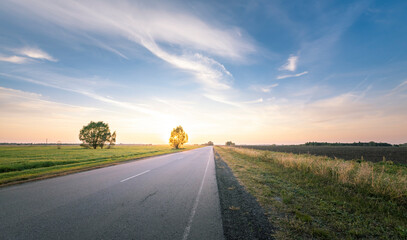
(372, 154)
(19, 163)
(314, 197)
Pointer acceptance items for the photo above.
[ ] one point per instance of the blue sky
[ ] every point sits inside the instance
(253, 72)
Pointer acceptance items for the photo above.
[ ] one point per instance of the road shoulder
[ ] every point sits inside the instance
(242, 216)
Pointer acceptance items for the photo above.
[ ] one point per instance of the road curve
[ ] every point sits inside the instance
(173, 196)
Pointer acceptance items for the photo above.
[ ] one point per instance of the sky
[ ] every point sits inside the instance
(252, 72)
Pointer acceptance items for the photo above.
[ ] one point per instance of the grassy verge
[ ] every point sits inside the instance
(22, 163)
(315, 197)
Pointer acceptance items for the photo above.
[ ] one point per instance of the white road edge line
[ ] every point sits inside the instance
(188, 227)
(134, 176)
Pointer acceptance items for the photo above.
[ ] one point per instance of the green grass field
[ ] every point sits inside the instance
(22, 163)
(311, 197)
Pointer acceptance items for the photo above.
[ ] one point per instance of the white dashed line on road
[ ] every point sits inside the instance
(134, 176)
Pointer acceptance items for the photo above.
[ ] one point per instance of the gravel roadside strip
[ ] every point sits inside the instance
(242, 216)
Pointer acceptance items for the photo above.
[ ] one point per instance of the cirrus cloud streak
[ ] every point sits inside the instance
(154, 29)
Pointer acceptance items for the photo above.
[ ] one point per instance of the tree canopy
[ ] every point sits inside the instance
(96, 134)
(230, 143)
(178, 137)
(112, 140)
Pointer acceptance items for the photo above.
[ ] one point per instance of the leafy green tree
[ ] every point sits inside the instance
(178, 137)
(230, 143)
(95, 134)
(210, 143)
(112, 141)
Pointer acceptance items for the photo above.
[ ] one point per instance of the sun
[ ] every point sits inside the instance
(165, 129)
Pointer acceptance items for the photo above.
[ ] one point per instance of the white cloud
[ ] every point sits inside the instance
(27, 55)
(14, 101)
(401, 87)
(155, 29)
(35, 53)
(265, 89)
(345, 108)
(210, 73)
(291, 64)
(260, 100)
(222, 99)
(56, 81)
(399, 90)
(319, 50)
(14, 59)
(11, 93)
(291, 75)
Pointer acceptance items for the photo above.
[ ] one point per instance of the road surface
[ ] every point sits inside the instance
(173, 196)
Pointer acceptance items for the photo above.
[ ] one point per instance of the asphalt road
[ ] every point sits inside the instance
(167, 197)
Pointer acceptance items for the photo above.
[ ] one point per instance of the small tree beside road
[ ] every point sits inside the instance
(96, 134)
(230, 143)
(112, 140)
(178, 137)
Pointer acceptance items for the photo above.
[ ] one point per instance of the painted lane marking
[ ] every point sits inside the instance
(134, 176)
(188, 227)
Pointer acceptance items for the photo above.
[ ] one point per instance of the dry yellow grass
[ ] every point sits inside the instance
(309, 197)
(379, 179)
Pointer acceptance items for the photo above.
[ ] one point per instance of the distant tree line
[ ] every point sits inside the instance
(365, 144)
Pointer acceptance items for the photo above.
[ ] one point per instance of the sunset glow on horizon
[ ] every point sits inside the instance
(262, 72)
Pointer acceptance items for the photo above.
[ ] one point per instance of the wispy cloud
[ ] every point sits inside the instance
(400, 89)
(210, 73)
(260, 100)
(13, 59)
(265, 89)
(21, 102)
(48, 119)
(291, 64)
(105, 46)
(222, 99)
(292, 75)
(348, 107)
(317, 50)
(35, 53)
(56, 83)
(192, 40)
(401, 86)
(27, 54)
